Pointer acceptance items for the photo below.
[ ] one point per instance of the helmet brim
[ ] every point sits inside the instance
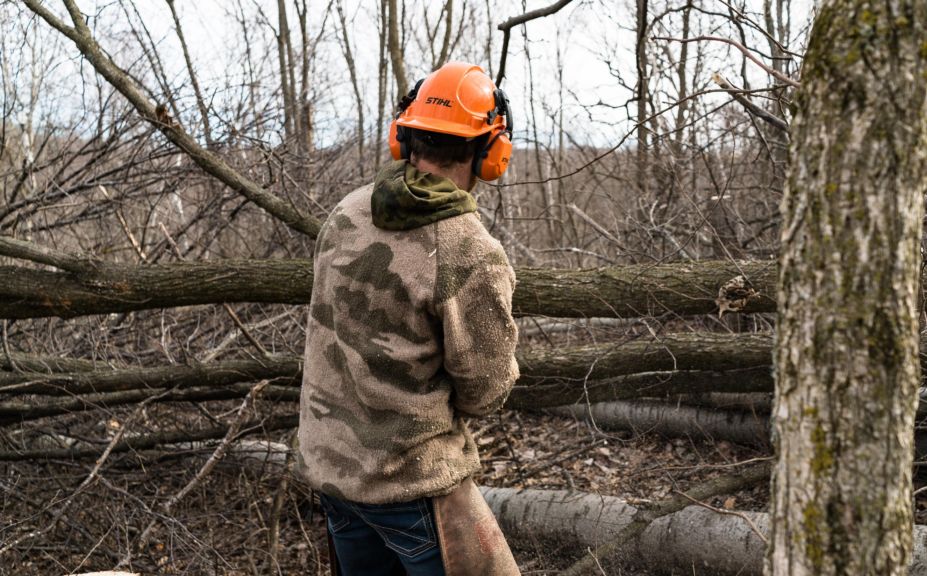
(444, 127)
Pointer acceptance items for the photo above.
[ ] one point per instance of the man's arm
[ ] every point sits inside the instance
(474, 302)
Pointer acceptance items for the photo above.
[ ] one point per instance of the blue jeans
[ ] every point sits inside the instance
(384, 539)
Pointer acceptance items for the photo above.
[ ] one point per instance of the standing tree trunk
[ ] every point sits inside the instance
(381, 86)
(352, 70)
(643, 161)
(289, 121)
(847, 355)
(395, 51)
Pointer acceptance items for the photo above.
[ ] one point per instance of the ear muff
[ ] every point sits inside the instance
(398, 141)
(493, 160)
(398, 135)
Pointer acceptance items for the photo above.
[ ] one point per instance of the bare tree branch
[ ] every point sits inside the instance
(208, 161)
(506, 28)
(738, 95)
(746, 52)
(20, 249)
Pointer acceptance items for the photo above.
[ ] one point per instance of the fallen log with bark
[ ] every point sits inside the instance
(674, 420)
(678, 420)
(645, 367)
(618, 291)
(665, 367)
(693, 540)
(672, 362)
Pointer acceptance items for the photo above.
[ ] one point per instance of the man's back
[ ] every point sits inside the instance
(409, 329)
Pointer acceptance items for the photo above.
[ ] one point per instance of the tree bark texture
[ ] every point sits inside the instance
(624, 291)
(532, 393)
(847, 355)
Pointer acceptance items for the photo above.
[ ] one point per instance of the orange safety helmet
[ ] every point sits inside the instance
(461, 100)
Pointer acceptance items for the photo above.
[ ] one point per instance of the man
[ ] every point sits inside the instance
(410, 332)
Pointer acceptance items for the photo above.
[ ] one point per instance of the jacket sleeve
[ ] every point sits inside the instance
(474, 303)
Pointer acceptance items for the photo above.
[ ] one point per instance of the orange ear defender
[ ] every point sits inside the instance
(490, 163)
(461, 100)
(398, 135)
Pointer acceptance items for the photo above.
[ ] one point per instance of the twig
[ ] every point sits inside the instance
(736, 94)
(214, 459)
(273, 536)
(595, 225)
(6, 348)
(597, 563)
(741, 16)
(559, 457)
(228, 308)
(746, 51)
(514, 455)
(93, 475)
(125, 227)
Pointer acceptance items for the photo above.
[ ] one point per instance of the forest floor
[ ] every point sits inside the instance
(224, 526)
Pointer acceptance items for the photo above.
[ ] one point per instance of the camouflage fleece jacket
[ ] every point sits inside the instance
(410, 330)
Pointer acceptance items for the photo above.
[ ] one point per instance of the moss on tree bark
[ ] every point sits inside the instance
(846, 360)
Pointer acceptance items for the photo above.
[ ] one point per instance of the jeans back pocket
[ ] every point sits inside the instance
(337, 519)
(406, 528)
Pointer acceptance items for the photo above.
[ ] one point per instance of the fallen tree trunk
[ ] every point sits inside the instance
(674, 420)
(558, 391)
(668, 352)
(216, 374)
(683, 421)
(674, 363)
(693, 540)
(647, 368)
(20, 412)
(549, 377)
(17, 362)
(622, 291)
(147, 441)
(30, 293)
(754, 402)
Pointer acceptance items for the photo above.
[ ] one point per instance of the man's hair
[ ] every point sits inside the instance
(444, 149)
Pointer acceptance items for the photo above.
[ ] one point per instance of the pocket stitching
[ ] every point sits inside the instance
(425, 544)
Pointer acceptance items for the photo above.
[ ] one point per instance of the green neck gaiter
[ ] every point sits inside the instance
(404, 198)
